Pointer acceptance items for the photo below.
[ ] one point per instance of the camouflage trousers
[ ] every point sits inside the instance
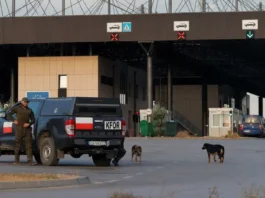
(23, 134)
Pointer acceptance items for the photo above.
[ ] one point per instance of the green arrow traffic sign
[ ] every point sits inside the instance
(250, 34)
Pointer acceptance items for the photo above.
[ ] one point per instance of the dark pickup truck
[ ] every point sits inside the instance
(72, 125)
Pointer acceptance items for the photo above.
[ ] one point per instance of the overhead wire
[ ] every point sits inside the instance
(72, 7)
(8, 8)
(94, 6)
(32, 7)
(52, 6)
(81, 7)
(40, 5)
(35, 8)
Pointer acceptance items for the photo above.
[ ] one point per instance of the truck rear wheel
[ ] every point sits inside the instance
(48, 154)
(101, 160)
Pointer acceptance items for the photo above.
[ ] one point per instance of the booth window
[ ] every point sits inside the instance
(226, 120)
(216, 120)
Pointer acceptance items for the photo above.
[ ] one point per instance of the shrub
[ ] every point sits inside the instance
(158, 119)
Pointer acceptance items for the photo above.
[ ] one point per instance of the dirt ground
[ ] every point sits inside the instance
(15, 177)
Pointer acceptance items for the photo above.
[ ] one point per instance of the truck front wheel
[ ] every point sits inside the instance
(101, 160)
(48, 154)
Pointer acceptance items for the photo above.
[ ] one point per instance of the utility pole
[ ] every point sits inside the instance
(63, 7)
(109, 7)
(203, 5)
(142, 9)
(260, 6)
(150, 5)
(169, 6)
(13, 8)
(236, 5)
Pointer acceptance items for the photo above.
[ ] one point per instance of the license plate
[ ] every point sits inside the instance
(246, 131)
(97, 143)
(112, 125)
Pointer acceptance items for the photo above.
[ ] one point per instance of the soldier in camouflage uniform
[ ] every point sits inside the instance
(25, 118)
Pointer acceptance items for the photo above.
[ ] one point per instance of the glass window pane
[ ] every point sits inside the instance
(226, 120)
(216, 120)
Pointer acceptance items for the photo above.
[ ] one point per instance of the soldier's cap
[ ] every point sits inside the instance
(25, 99)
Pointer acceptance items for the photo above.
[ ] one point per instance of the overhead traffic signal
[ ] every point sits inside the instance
(114, 37)
(181, 35)
(230, 113)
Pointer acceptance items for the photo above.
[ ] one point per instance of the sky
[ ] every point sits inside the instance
(52, 7)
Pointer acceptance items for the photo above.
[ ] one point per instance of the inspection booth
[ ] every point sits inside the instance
(223, 120)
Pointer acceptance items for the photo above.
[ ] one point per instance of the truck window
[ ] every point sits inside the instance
(54, 107)
(98, 110)
(35, 106)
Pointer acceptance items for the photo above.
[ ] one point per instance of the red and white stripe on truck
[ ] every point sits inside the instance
(85, 123)
(7, 127)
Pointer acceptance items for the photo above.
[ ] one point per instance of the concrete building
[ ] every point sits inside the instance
(187, 101)
(88, 76)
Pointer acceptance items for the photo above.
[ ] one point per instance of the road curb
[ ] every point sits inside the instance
(44, 184)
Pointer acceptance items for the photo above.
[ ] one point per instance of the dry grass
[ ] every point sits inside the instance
(123, 195)
(17, 177)
(183, 134)
(252, 192)
(232, 135)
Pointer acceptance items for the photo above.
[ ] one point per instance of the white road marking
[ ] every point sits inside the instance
(111, 181)
(167, 164)
(128, 177)
(149, 170)
(98, 182)
(158, 167)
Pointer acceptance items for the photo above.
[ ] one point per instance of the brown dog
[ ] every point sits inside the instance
(137, 152)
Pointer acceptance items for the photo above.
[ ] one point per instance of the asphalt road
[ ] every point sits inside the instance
(170, 168)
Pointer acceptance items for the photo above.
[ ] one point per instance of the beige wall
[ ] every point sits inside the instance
(84, 78)
(42, 74)
(187, 100)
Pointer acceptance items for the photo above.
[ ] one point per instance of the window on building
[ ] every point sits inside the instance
(123, 99)
(226, 120)
(105, 80)
(216, 120)
(62, 90)
(62, 81)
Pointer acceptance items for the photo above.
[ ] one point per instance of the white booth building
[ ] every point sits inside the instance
(221, 121)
